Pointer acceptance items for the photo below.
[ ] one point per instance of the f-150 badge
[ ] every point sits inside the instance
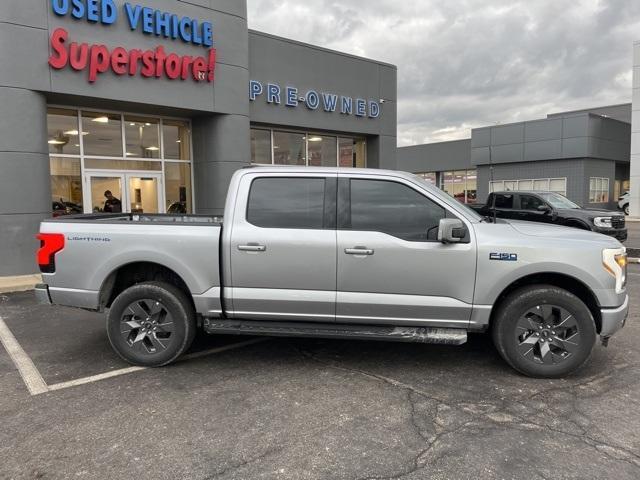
(506, 257)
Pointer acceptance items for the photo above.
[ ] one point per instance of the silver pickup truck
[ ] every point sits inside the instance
(339, 253)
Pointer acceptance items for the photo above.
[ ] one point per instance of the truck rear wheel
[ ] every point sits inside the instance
(544, 331)
(151, 324)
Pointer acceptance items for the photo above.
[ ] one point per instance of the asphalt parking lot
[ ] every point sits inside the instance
(309, 409)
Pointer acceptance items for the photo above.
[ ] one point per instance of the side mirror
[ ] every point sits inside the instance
(451, 230)
(544, 208)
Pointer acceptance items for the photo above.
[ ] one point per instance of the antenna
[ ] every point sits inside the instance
(491, 178)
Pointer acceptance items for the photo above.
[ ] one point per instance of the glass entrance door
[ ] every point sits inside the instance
(107, 192)
(144, 193)
(103, 193)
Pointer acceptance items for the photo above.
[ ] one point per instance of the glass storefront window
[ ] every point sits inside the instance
(428, 176)
(63, 136)
(142, 137)
(108, 164)
(135, 175)
(102, 134)
(322, 151)
(66, 185)
(461, 185)
(177, 181)
(345, 152)
(557, 185)
(176, 139)
(260, 146)
(289, 148)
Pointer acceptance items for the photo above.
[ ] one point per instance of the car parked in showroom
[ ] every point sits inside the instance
(623, 202)
(551, 207)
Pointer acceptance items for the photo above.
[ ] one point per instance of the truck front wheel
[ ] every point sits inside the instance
(544, 331)
(151, 324)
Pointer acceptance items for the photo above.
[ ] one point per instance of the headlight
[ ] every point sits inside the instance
(614, 260)
(602, 222)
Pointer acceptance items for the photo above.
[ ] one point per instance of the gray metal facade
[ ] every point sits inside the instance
(220, 111)
(575, 145)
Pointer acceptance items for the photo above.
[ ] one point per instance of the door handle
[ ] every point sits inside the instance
(252, 248)
(358, 251)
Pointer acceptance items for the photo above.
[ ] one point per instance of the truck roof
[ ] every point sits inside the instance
(305, 169)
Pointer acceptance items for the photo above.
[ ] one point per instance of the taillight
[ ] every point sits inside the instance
(50, 244)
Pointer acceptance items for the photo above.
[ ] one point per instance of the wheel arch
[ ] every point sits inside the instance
(132, 273)
(577, 223)
(560, 280)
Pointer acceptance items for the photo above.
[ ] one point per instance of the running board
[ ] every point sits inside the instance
(443, 336)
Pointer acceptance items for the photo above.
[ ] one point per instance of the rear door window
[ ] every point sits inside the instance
(293, 202)
(504, 200)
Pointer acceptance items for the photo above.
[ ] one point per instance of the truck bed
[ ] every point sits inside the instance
(98, 246)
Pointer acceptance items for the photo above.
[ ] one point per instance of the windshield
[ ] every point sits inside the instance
(558, 201)
(471, 213)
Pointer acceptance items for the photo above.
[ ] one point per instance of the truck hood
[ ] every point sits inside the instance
(559, 232)
(588, 212)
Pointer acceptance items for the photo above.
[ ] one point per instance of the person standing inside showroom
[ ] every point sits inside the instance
(112, 204)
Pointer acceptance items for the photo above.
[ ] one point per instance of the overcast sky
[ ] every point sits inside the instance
(469, 63)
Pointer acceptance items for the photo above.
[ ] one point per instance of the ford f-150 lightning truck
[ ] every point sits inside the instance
(339, 253)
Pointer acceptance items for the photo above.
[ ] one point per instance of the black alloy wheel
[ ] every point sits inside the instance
(151, 324)
(547, 334)
(543, 331)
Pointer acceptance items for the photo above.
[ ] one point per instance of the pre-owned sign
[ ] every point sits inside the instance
(97, 58)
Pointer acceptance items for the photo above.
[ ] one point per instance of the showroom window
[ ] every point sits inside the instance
(461, 185)
(143, 160)
(429, 177)
(278, 147)
(557, 185)
(598, 190)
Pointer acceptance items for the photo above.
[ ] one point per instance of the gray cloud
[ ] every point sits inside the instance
(469, 63)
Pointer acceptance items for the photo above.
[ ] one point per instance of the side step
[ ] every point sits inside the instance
(443, 336)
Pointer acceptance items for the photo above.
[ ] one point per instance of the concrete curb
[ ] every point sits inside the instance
(19, 283)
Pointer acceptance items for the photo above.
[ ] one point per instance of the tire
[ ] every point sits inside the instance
(151, 324)
(544, 331)
(626, 209)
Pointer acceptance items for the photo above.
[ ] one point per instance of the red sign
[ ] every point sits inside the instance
(97, 59)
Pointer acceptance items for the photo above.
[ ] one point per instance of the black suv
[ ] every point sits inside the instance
(551, 207)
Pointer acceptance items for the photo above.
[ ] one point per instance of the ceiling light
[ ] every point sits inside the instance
(100, 119)
(148, 124)
(177, 141)
(132, 124)
(53, 141)
(129, 154)
(76, 144)
(152, 149)
(71, 132)
(315, 139)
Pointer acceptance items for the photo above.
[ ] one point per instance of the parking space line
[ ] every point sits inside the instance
(28, 371)
(36, 384)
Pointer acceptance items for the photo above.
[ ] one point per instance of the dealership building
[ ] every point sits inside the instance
(159, 103)
(584, 155)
